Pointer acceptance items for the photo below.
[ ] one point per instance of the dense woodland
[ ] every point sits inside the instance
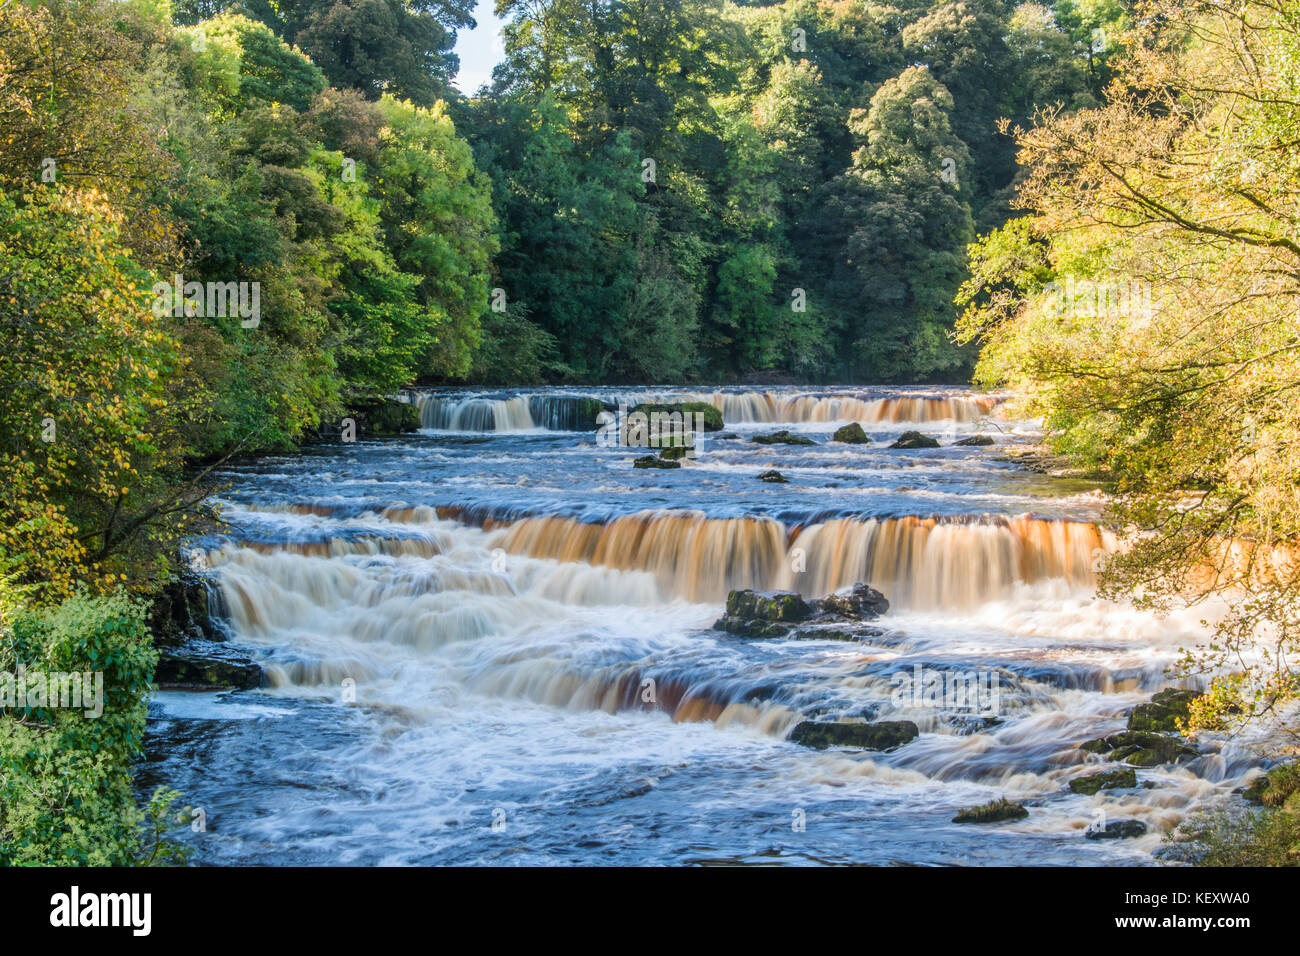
(657, 191)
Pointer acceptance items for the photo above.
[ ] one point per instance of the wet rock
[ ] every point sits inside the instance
(994, 812)
(774, 477)
(774, 614)
(1140, 748)
(586, 414)
(1280, 787)
(1106, 780)
(851, 433)
(782, 437)
(673, 453)
(374, 417)
(762, 613)
(1118, 830)
(651, 461)
(712, 417)
(964, 726)
(186, 609)
(1163, 712)
(862, 602)
(818, 632)
(914, 440)
(884, 735)
(978, 440)
(206, 665)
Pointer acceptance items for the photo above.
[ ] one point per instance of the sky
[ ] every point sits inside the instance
(479, 49)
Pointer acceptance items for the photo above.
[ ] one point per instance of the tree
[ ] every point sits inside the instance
(893, 227)
(1147, 309)
(396, 47)
(436, 211)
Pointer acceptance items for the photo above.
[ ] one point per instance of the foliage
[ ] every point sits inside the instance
(65, 778)
(1146, 307)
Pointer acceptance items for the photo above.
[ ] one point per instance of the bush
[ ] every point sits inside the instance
(65, 778)
(1238, 837)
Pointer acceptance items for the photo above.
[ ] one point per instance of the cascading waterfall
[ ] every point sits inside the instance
(475, 414)
(526, 622)
(917, 562)
(762, 407)
(564, 412)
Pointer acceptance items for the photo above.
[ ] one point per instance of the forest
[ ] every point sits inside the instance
(649, 191)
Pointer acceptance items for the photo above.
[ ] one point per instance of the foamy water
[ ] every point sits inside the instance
(459, 632)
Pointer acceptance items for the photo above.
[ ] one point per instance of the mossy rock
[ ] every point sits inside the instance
(1106, 780)
(1277, 788)
(774, 477)
(786, 606)
(179, 612)
(384, 417)
(994, 812)
(651, 461)
(782, 437)
(1163, 712)
(863, 602)
(851, 433)
(1140, 748)
(762, 613)
(883, 735)
(587, 413)
(1118, 830)
(673, 453)
(976, 440)
(915, 440)
(712, 417)
(206, 665)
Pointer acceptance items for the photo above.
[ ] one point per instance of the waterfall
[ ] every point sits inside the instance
(572, 412)
(763, 407)
(916, 562)
(475, 414)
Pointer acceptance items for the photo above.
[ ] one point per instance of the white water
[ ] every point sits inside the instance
(429, 674)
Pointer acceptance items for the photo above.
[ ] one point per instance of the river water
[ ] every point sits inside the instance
(458, 628)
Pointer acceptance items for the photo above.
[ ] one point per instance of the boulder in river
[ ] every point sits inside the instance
(862, 602)
(184, 611)
(774, 613)
(977, 440)
(782, 437)
(851, 433)
(1280, 787)
(994, 812)
(378, 417)
(711, 417)
(1139, 748)
(915, 440)
(652, 461)
(206, 665)
(882, 735)
(1163, 712)
(774, 477)
(1117, 830)
(1106, 780)
(762, 613)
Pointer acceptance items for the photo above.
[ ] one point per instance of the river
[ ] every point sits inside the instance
(457, 627)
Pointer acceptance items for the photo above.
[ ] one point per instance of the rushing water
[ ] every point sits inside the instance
(496, 591)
